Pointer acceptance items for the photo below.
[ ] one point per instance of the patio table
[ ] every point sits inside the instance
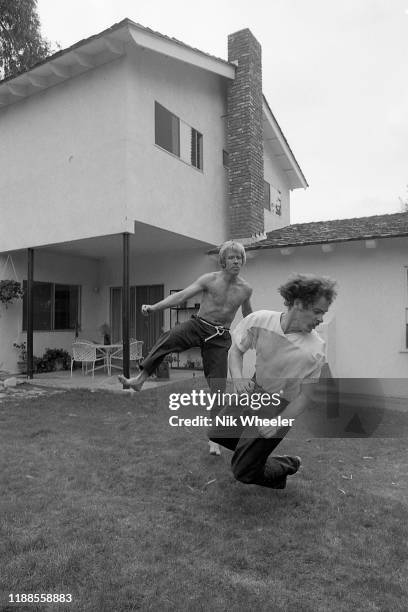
(106, 349)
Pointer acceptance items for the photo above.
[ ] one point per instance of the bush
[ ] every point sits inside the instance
(46, 363)
(51, 355)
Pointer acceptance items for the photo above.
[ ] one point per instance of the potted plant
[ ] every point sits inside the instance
(22, 362)
(40, 365)
(106, 333)
(10, 290)
(163, 370)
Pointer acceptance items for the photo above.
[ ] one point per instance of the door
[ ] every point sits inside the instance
(116, 313)
(143, 328)
(149, 328)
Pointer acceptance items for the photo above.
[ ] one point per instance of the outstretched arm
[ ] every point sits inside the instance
(177, 298)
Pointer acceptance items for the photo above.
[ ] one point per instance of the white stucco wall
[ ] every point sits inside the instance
(365, 326)
(274, 175)
(64, 154)
(81, 159)
(163, 189)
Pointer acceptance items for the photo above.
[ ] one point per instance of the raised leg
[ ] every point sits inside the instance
(215, 364)
(176, 340)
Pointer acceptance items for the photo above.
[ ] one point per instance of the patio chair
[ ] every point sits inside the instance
(87, 353)
(136, 348)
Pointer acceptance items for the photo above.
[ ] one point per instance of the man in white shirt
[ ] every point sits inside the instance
(289, 355)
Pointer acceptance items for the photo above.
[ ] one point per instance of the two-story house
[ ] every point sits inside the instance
(128, 157)
(125, 159)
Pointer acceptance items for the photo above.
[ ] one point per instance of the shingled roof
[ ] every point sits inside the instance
(339, 230)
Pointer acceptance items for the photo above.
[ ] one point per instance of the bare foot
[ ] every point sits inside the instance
(214, 448)
(131, 382)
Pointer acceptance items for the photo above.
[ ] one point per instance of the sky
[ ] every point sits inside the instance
(335, 74)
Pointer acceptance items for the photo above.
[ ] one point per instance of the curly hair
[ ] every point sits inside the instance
(307, 288)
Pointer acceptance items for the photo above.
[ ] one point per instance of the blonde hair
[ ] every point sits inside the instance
(230, 245)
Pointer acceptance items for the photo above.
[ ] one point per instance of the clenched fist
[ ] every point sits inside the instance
(146, 308)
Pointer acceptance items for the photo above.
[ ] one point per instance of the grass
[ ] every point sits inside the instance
(102, 499)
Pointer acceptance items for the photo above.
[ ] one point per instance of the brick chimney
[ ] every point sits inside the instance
(245, 138)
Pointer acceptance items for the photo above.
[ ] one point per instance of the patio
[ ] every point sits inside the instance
(78, 286)
(101, 381)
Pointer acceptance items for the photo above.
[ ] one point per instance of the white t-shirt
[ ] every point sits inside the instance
(283, 361)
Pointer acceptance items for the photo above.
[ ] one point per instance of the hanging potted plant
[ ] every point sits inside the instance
(10, 290)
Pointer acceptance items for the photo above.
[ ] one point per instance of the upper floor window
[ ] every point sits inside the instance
(56, 307)
(167, 129)
(277, 201)
(272, 198)
(196, 149)
(177, 137)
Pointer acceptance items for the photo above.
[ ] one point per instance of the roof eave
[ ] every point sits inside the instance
(296, 178)
(101, 49)
(84, 55)
(148, 39)
(290, 244)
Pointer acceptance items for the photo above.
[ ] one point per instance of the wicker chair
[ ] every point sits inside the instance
(136, 354)
(88, 354)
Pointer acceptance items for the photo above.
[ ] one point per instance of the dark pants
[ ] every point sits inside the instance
(251, 462)
(192, 334)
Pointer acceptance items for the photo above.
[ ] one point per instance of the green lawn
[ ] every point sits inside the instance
(100, 498)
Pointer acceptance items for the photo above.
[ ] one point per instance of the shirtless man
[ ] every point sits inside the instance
(222, 293)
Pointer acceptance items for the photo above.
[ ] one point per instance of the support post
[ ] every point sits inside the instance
(30, 312)
(126, 307)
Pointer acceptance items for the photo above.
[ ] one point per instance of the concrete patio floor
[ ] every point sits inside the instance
(101, 381)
